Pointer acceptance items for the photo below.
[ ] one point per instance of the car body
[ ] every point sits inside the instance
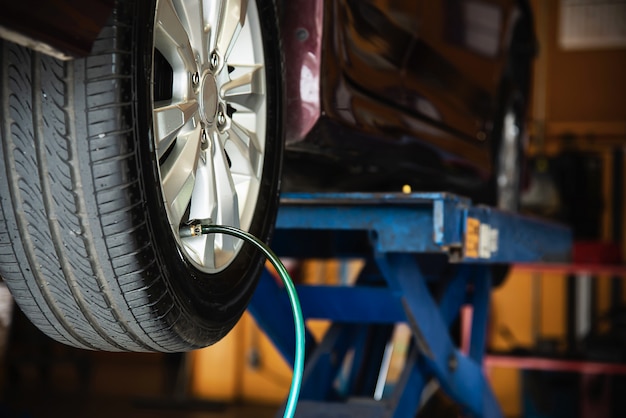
(378, 93)
(386, 93)
(63, 28)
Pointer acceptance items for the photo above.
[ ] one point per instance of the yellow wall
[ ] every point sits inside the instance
(580, 92)
(512, 308)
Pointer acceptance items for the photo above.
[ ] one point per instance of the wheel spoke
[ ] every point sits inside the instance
(178, 174)
(231, 19)
(208, 254)
(195, 17)
(247, 88)
(204, 201)
(203, 206)
(227, 198)
(172, 38)
(248, 157)
(168, 122)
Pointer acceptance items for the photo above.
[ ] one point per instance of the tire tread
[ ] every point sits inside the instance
(48, 184)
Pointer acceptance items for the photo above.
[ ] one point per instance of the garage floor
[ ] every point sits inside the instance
(43, 401)
(44, 405)
(40, 378)
(115, 386)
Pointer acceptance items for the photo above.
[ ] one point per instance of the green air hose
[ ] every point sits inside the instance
(296, 380)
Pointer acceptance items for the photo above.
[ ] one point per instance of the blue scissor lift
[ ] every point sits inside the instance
(427, 255)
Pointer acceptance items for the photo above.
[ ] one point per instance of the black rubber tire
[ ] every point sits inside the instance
(85, 246)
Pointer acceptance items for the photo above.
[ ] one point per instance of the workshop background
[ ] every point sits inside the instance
(557, 337)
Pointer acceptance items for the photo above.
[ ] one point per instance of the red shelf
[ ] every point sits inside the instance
(582, 268)
(538, 363)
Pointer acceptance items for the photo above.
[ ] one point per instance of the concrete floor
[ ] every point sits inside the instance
(52, 405)
(40, 378)
(117, 393)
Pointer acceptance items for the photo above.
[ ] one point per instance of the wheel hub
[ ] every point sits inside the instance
(208, 98)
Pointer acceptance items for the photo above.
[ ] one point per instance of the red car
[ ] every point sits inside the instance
(136, 117)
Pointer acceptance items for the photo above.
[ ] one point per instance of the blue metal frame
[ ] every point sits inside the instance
(428, 254)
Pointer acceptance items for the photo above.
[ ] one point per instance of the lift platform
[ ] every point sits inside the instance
(426, 256)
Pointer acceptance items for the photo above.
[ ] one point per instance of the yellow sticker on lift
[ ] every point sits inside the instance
(472, 237)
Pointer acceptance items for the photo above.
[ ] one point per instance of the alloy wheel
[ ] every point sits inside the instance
(209, 120)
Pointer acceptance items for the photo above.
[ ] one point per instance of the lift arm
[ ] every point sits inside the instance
(428, 254)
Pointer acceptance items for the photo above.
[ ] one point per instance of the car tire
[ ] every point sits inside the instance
(97, 174)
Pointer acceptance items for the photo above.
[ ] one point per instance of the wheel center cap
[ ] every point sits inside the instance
(208, 98)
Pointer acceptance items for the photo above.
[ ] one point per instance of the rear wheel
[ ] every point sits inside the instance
(175, 115)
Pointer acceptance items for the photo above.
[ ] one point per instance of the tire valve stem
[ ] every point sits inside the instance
(194, 228)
